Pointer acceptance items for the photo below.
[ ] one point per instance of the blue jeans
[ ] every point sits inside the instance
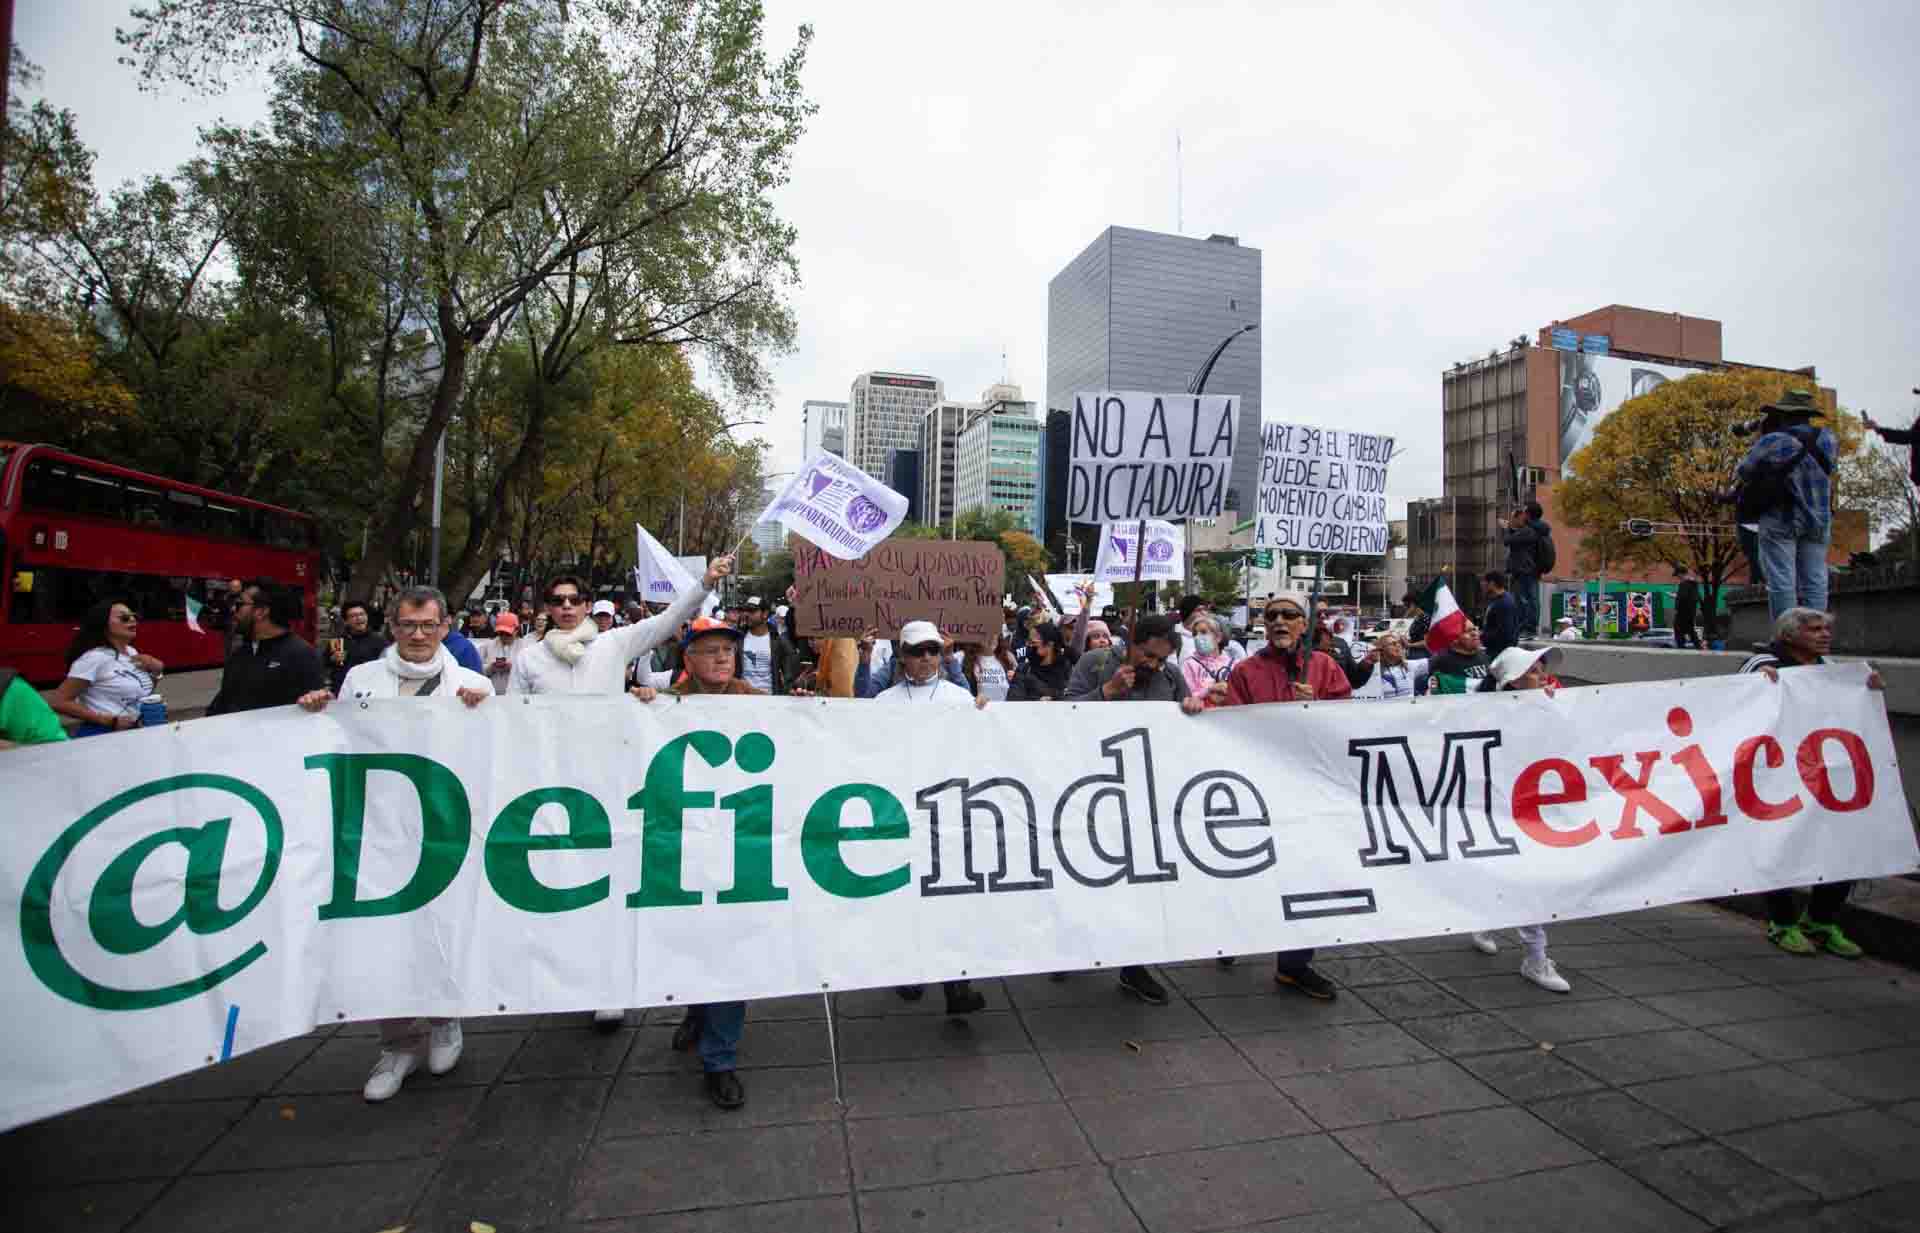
(720, 1027)
(1526, 596)
(1796, 566)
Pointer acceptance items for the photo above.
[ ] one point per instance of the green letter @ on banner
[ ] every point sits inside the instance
(511, 844)
(110, 906)
(822, 834)
(445, 822)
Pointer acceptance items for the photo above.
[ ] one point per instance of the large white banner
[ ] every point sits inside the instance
(267, 872)
(1119, 556)
(1322, 490)
(1141, 455)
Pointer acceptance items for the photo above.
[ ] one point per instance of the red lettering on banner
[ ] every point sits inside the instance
(1528, 800)
(1813, 769)
(1635, 796)
(1746, 797)
(1693, 760)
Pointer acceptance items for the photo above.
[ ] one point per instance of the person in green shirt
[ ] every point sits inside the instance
(25, 717)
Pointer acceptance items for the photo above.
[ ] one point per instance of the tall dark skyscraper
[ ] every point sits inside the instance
(1140, 310)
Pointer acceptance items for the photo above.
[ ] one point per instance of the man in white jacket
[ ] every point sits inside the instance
(578, 657)
(416, 665)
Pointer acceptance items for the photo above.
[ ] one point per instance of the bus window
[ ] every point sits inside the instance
(59, 486)
(146, 506)
(59, 595)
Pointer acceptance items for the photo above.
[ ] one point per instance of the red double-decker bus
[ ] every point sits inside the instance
(74, 531)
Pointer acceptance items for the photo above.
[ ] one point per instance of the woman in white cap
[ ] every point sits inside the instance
(1512, 669)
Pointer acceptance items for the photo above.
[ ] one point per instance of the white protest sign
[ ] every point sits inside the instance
(1063, 586)
(1141, 455)
(1322, 490)
(1119, 549)
(838, 507)
(658, 575)
(277, 870)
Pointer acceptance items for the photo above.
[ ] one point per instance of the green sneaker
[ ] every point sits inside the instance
(1831, 939)
(1790, 939)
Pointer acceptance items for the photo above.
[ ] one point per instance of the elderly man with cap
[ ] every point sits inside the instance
(1786, 483)
(578, 657)
(416, 665)
(497, 652)
(1516, 669)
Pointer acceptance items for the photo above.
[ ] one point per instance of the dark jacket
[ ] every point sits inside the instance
(270, 673)
(1341, 653)
(1454, 673)
(1908, 437)
(1096, 668)
(1036, 681)
(360, 649)
(1686, 601)
(1501, 629)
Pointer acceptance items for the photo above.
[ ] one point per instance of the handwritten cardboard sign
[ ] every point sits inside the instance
(955, 584)
(1322, 489)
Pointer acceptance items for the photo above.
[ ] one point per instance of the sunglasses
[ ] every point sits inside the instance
(125, 616)
(927, 648)
(1284, 614)
(566, 601)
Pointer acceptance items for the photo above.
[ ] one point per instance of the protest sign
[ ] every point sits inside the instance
(658, 575)
(1322, 490)
(838, 506)
(955, 584)
(415, 857)
(1119, 552)
(1062, 585)
(1141, 455)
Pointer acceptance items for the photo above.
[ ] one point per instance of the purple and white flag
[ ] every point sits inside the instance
(1120, 541)
(658, 575)
(838, 506)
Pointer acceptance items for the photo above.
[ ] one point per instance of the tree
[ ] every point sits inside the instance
(50, 377)
(1874, 481)
(1668, 457)
(604, 165)
(1023, 553)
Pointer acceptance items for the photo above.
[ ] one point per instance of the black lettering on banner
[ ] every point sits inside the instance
(1382, 799)
(1328, 903)
(1129, 786)
(1221, 807)
(994, 799)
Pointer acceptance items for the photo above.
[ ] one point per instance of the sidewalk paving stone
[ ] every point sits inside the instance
(1695, 1077)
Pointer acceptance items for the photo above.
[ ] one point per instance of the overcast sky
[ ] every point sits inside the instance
(1425, 181)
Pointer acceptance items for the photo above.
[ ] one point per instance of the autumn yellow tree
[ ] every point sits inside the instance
(1668, 458)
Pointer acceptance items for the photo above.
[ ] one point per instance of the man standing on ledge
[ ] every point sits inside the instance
(576, 657)
(1276, 675)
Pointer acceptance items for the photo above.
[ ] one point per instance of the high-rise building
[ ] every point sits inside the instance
(1141, 310)
(823, 429)
(884, 411)
(939, 429)
(997, 458)
(902, 474)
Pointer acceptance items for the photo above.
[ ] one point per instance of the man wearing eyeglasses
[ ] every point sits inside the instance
(271, 666)
(577, 657)
(1276, 674)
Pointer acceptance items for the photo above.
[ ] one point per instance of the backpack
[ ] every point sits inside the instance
(1767, 489)
(1544, 556)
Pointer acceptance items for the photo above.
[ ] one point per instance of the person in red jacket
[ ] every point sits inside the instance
(1274, 675)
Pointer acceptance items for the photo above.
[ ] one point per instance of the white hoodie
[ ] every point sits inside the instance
(377, 678)
(603, 668)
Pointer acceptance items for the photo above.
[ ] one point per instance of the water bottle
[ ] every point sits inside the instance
(153, 711)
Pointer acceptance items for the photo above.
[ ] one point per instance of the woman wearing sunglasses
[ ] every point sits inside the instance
(106, 676)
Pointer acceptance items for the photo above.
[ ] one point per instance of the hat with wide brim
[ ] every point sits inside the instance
(1795, 402)
(1514, 662)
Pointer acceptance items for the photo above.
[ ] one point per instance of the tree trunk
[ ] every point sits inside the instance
(403, 508)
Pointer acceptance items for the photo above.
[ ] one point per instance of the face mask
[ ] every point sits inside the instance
(1204, 644)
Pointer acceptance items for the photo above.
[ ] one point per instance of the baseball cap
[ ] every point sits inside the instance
(603, 605)
(919, 633)
(754, 602)
(506, 623)
(1512, 664)
(708, 625)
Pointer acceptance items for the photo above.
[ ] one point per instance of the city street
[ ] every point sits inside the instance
(1695, 1078)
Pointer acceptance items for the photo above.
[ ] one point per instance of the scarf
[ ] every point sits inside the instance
(569, 646)
(407, 670)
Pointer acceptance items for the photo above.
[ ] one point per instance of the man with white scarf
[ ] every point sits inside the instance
(416, 665)
(577, 657)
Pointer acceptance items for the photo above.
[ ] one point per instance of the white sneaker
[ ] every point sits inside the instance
(444, 1044)
(608, 1020)
(1486, 944)
(388, 1074)
(1544, 974)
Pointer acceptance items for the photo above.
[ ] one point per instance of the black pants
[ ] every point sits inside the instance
(1293, 962)
(1827, 900)
(1685, 633)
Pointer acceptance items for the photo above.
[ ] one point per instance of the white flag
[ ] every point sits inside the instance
(838, 506)
(658, 575)
(1166, 552)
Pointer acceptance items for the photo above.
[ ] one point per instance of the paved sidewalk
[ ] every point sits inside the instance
(1695, 1078)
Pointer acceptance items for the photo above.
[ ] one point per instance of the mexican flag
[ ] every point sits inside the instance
(1444, 618)
(194, 608)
